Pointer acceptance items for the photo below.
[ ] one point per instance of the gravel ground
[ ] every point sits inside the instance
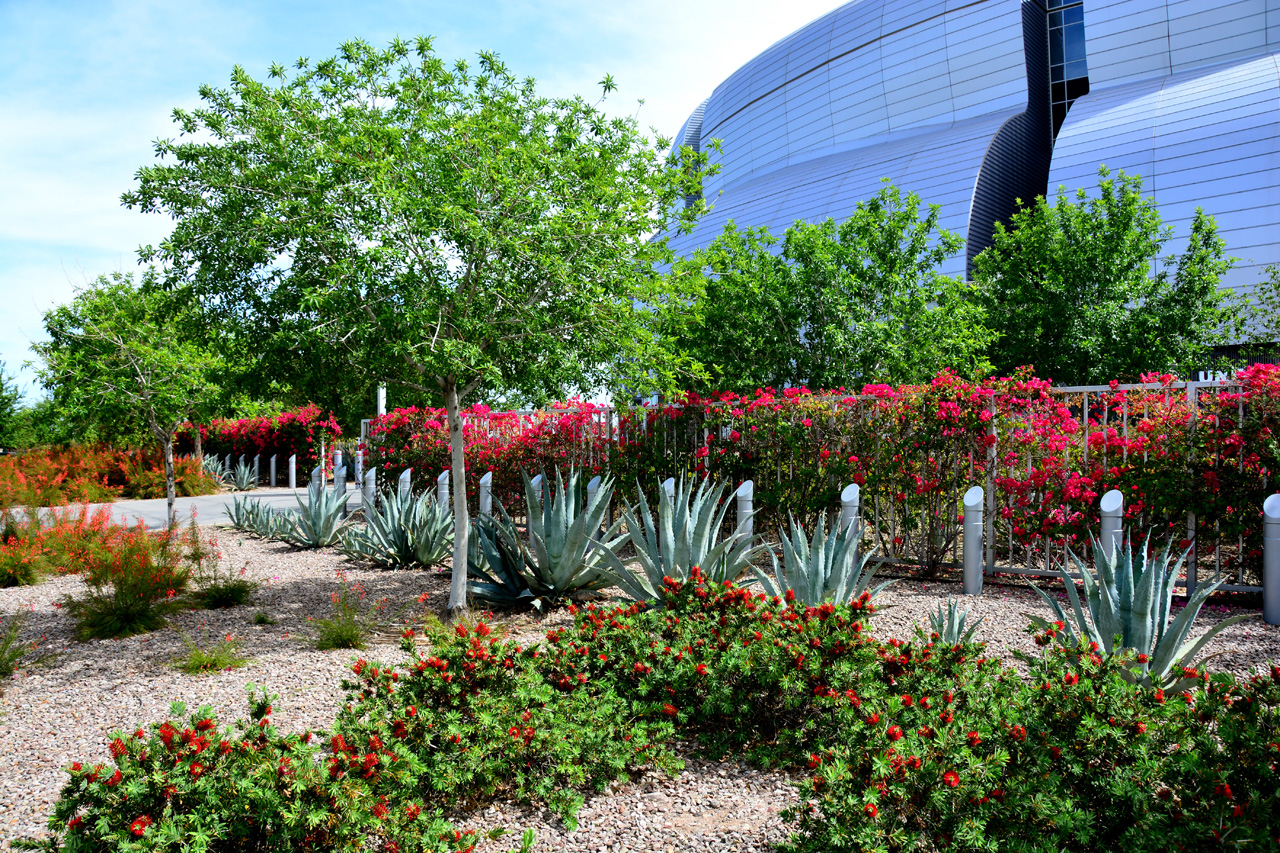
(64, 708)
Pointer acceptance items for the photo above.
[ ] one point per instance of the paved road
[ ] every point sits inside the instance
(209, 509)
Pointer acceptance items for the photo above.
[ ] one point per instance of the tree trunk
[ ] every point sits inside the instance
(170, 488)
(197, 436)
(461, 521)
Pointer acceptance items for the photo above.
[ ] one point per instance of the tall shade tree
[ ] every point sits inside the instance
(830, 305)
(117, 359)
(441, 228)
(10, 408)
(1079, 290)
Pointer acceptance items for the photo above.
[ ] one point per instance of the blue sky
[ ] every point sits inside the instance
(87, 87)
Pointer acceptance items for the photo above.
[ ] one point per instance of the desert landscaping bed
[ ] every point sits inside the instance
(63, 708)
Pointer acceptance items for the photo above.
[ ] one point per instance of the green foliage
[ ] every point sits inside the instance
(1069, 288)
(402, 532)
(262, 617)
(536, 289)
(684, 536)
(224, 654)
(118, 359)
(215, 468)
(10, 406)
(1129, 603)
(480, 717)
(351, 622)
(948, 626)
(192, 786)
(11, 651)
(827, 568)
(835, 305)
(132, 579)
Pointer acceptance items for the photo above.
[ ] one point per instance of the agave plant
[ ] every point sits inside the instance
(1129, 602)
(565, 554)
(214, 467)
(405, 531)
(497, 565)
(242, 478)
(949, 624)
(685, 534)
(825, 567)
(243, 512)
(318, 522)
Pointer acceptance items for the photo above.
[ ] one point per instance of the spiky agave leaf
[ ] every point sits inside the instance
(403, 531)
(1131, 600)
(318, 522)
(825, 567)
(685, 533)
(497, 566)
(567, 550)
(949, 624)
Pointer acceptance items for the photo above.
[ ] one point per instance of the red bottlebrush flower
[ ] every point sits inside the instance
(139, 826)
(380, 809)
(413, 810)
(914, 762)
(871, 810)
(974, 740)
(1143, 658)
(668, 709)
(1070, 679)
(906, 701)
(76, 766)
(814, 760)
(1158, 696)
(1223, 790)
(950, 779)
(75, 822)
(114, 780)
(1142, 728)
(894, 733)
(946, 716)
(1238, 811)
(197, 769)
(790, 596)
(117, 748)
(702, 669)
(873, 719)
(412, 711)
(1056, 751)
(204, 725)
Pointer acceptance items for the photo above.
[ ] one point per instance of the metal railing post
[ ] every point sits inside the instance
(442, 488)
(293, 471)
(272, 466)
(370, 492)
(850, 506)
(974, 499)
(746, 495)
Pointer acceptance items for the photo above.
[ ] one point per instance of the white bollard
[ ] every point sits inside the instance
(746, 494)
(272, 467)
(382, 400)
(406, 485)
(229, 466)
(340, 480)
(242, 459)
(337, 458)
(850, 506)
(370, 492)
(359, 466)
(1271, 560)
(293, 471)
(1112, 523)
(973, 500)
(442, 489)
(536, 483)
(486, 494)
(669, 486)
(316, 487)
(593, 487)
(257, 468)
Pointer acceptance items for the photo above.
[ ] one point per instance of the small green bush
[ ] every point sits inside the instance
(349, 626)
(225, 654)
(11, 651)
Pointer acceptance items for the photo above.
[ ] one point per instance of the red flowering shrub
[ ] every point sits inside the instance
(91, 474)
(247, 788)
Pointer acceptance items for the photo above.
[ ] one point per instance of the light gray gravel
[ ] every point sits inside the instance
(64, 709)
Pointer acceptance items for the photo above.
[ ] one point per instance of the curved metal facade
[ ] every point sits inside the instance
(951, 100)
(1185, 93)
(914, 91)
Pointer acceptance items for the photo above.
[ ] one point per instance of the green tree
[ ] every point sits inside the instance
(829, 305)
(10, 408)
(437, 228)
(1079, 290)
(117, 360)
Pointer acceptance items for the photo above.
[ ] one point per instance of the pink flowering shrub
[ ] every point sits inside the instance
(300, 431)
(914, 450)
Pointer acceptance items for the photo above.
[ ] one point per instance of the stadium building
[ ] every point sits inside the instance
(973, 104)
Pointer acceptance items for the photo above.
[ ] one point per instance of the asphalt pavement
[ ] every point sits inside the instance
(208, 509)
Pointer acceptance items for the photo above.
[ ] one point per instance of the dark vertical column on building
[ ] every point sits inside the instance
(1016, 166)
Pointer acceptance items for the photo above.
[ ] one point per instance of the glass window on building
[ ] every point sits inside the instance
(1068, 65)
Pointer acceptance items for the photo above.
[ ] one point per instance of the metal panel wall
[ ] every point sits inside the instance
(911, 90)
(1186, 93)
